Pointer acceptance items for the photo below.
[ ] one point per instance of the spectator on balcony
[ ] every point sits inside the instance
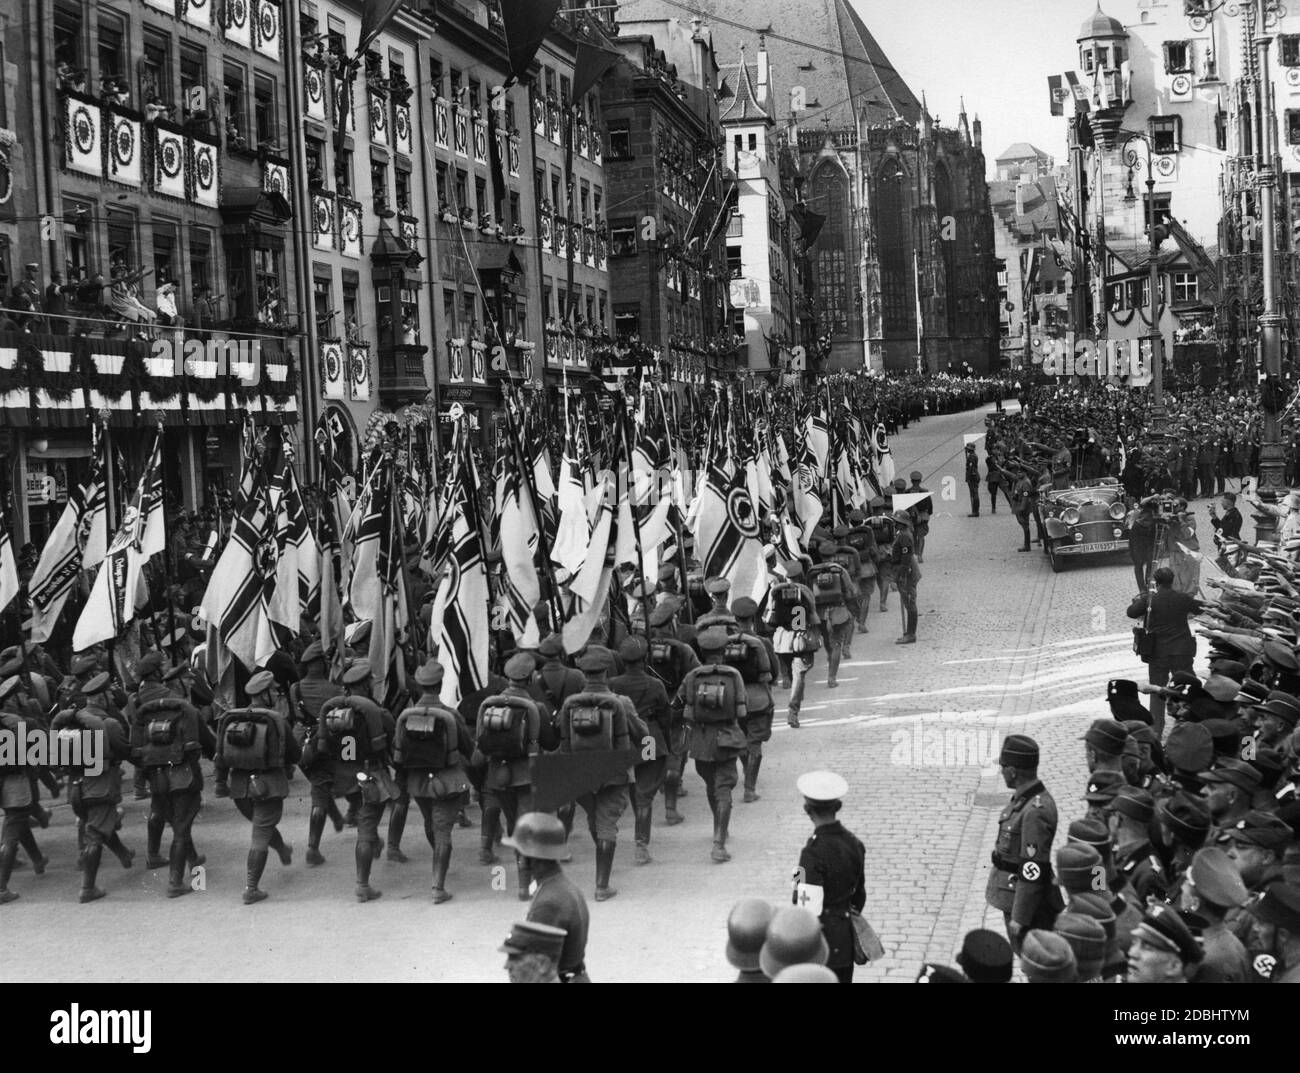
(205, 307)
(124, 297)
(268, 303)
(56, 303)
(165, 300)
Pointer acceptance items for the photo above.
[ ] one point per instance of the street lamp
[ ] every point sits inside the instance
(1131, 158)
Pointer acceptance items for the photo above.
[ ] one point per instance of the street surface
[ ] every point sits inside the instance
(1004, 646)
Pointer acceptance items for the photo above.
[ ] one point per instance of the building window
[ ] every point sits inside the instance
(402, 191)
(1187, 287)
(548, 308)
(1178, 56)
(200, 260)
(379, 185)
(1288, 50)
(435, 75)
(76, 240)
(67, 38)
(264, 110)
(548, 79)
(564, 91)
(1221, 130)
(510, 114)
(449, 313)
(619, 141)
(350, 303)
(622, 238)
(315, 151)
(440, 184)
(455, 84)
(462, 191)
(514, 208)
(468, 320)
(233, 99)
(597, 202)
(475, 93)
(156, 69)
(1166, 133)
(1089, 61)
(627, 320)
(735, 266)
(1163, 202)
(121, 242)
(194, 79)
(322, 292)
(343, 172)
(112, 47)
(480, 196)
(584, 198)
(1293, 126)
(268, 265)
(164, 253)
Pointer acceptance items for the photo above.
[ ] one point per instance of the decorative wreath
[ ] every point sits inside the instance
(83, 129)
(123, 143)
(332, 364)
(169, 157)
(360, 365)
(238, 12)
(402, 123)
(266, 22)
(351, 225)
(275, 176)
(315, 84)
(204, 166)
(324, 218)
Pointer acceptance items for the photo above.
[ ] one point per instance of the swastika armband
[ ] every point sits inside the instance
(1031, 871)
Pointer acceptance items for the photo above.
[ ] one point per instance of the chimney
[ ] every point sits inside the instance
(1022, 193)
(696, 24)
(761, 88)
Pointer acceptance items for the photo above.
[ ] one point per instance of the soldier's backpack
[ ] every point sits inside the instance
(164, 739)
(505, 725)
(591, 721)
(426, 739)
(827, 584)
(249, 739)
(745, 653)
(781, 603)
(345, 723)
(70, 748)
(715, 694)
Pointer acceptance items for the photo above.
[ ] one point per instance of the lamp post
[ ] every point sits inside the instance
(1131, 157)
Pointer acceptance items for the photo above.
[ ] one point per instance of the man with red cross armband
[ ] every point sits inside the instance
(712, 700)
(1020, 884)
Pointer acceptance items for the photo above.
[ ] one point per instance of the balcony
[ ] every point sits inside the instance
(401, 374)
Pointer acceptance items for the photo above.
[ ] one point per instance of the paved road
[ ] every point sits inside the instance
(1004, 646)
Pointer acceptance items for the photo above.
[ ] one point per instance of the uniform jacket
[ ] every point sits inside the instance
(1167, 623)
(1226, 961)
(559, 903)
(628, 729)
(450, 780)
(712, 741)
(835, 860)
(1141, 868)
(651, 700)
(1021, 879)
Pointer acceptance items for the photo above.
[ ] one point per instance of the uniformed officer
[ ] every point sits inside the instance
(716, 737)
(924, 511)
(882, 527)
(1278, 913)
(533, 953)
(1163, 950)
(831, 878)
(862, 539)
(1129, 823)
(759, 673)
(650, 696)
(557, 680)
(540, 840)
(440, 792)
(1212, 887)
(16, 797)
(148, 673)
(1020, 884)
(973, 481)
(907, 577)
(608, 802)
(719, 614)
(833, 590)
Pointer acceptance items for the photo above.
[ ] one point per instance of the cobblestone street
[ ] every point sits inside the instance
(1004, 645)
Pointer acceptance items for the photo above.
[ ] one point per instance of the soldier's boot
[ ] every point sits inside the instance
(487, 835)
(792, 717)
(40, 814)
(256, 866)
(316, 828)
(671, 816)
(90, 872)
(154, 828)
(365, 858)
(642, 816)
(752, 764)
(8, 854)
(81, 845)
(441, 863)
(141, 786)
(604, 866)
(221, 787)
(27, 840)
(833, 659)
(721, 820)
(462, 820)
(525, 873)
(192, 854)
(350, 820)
(176, 885)
(282, 848)
(335, 816)
(396, 828)
(566, 814)
(124, 856)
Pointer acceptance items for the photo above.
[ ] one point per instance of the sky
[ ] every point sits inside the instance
(997, 53)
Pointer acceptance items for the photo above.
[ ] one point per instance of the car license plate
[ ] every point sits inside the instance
(1093, 549)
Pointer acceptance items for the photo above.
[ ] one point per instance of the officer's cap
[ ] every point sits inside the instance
(1077, 866)
(792, 568)
(663, 614)
(717, 586)
(744, 607)
(1107, 736)
(149, 663)
(1090, 833)
(1103, 786)
(1047, 958)
(82, 662)
(1164, 929)
(1135, 803)
(1233, 772)
(1261, 829)
(1019, 751)
(1189, 747)
(260, 683)
(313, 652)
(1187, 817)
(553, 645)
(986, 957)
(712, 639)
(1280, 906)
(596, 660)
(914, 476)
(95, 684)
(633, 649)
(520, 666)
(1216, 879)
(429, 673)
(822, 786)
(357, 673)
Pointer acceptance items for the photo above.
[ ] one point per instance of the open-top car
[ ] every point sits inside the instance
(1085, 519)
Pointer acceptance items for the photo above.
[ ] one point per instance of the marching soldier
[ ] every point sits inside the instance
(973, 481)
(430, 744)
(558, 681)
(924, 511)
(789, 610)
(847, 556)
(651, 699)
(17, 798)
(1131, 812)
(598, 720)
(907, 575)
(760, 668)
(862, 539)
(510, 729)
(719, 614)
(253, 746)
(831, 878)
(833, 589)
(308, 695)
(355, 733)
(1020, 884)
(883, 528)
(712, 700)
(148, 673)
(671, 659)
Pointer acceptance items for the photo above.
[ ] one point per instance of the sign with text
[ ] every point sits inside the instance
(1127, 360)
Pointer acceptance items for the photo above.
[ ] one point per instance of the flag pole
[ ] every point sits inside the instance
(167, 551)
(525, 473)
(626, 421)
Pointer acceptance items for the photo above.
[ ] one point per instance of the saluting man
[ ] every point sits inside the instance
(1020, 884)
(831, 878)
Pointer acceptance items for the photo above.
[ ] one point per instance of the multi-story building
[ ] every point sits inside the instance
(485, 277)
(361, 171)
(904, 198)
(165, 211)
(662, 165)
(568, 153)
(1022, 162)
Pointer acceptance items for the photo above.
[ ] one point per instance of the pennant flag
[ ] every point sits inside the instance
(519, 539)
(388, 627)
(805, 504)
(906, 500)
(817, 437)
(113, 597)
(460, 609)
(80, 528)
(524, 23)
(1057, 93)
(971, 437)
(8, 567)
(573, 532)
(235, 601)
(298, 565)
(594, 57)
(375, 15)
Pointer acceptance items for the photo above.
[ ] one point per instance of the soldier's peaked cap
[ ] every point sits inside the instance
(1019, 750)
(822, 786)
(520, 666)
(429, 673)
(986, 957)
